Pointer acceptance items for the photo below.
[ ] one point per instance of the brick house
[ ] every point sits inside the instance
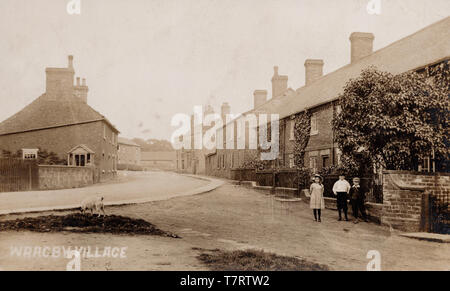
(425, 48)
(192, 160)
(129, 153)
(61, 121)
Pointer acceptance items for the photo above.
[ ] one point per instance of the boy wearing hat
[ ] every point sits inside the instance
(357, 197)
(341, 189)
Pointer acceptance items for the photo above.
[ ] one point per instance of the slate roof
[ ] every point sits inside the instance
(427, 46)
(127, 141)
(46, 112)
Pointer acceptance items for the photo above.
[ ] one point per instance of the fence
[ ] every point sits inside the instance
(289, 178)
(18, 175)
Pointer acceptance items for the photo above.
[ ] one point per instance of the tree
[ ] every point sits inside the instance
(392, 120)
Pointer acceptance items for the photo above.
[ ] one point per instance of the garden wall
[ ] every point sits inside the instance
(406, 198)
(64, 177)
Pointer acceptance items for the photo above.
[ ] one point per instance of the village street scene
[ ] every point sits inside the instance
(225, 137)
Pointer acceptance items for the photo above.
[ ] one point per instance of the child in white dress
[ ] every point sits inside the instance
(317, 203)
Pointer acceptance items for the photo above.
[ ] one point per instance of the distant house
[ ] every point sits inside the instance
(191, 160)
(158, 160)
(129, 153)
(62, 122)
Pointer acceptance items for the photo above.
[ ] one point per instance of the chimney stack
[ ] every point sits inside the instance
(361, 45)
(313, 70)
(59, 81)
(81, 91)
(279, 83)
(259, 98)
(70, 64)
(225, 109)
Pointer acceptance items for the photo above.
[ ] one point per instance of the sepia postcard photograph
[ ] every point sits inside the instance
(227, 141)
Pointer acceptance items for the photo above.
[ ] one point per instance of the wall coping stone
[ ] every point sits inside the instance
(401, 185)
(415, 173)
(65, 167)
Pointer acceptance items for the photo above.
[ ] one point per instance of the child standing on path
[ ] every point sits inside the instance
(341, 189)
(317, 203)
(357, 197)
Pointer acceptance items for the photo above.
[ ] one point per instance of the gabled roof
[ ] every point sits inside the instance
(46, 112)
(82, 146)
(158, 156)
(127, 141)
(427, 46)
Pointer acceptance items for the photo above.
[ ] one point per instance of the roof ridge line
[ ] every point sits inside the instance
(54, 126)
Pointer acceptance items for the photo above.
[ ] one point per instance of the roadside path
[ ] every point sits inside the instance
(128, 188)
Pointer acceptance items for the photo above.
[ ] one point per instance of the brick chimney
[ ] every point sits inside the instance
(59, 81)
(313, 70)
(225, 109)
(259, 98)
(279, 83)
(81, 90)
(361, 45)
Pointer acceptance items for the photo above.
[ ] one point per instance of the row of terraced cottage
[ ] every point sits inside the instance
(424, 49)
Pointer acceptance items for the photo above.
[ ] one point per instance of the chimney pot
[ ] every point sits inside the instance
(226, 109)
(70, 66)
(78, 81)
(313, 70)
(361, 45)
(84, 82)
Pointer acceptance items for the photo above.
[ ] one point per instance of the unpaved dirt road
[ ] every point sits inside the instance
(232, 217)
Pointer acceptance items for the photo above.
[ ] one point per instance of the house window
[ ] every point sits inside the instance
(292, 128)
(338, 156)
(425, 165)
(313, 164)
(223, 161)
(29, 154)
(314, 129)
(291, 161)
(104, 131)
(325, 161)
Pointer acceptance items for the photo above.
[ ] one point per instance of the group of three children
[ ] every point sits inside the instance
(341, 189)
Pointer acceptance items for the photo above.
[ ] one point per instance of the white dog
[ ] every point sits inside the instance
(93, 204)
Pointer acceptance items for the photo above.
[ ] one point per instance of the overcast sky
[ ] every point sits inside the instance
(146, 60)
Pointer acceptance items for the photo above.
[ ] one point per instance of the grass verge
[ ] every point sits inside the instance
(256, 260)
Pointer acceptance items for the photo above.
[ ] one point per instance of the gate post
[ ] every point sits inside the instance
(425, 222)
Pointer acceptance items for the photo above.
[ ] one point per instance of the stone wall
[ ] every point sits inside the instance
(64, 177)
(405, 196)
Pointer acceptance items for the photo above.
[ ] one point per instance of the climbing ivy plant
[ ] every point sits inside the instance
(302, 131)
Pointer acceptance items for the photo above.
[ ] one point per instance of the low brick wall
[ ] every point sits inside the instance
(243, 174)
(64, 177)
(405, 196)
